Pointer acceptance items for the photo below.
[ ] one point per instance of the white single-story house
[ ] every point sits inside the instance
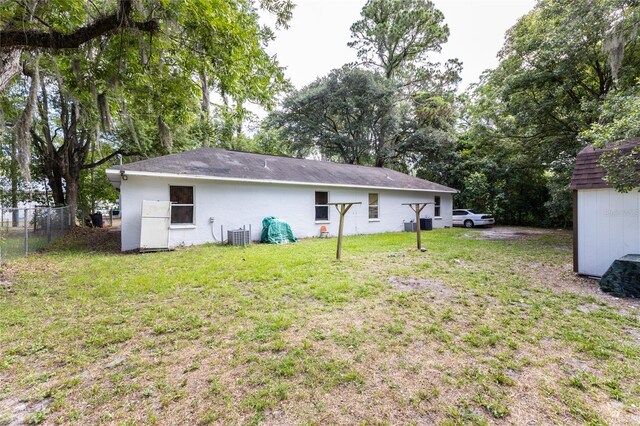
(606, 223)
(208, 191)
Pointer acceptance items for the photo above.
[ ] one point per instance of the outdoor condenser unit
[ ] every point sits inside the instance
(239, 237)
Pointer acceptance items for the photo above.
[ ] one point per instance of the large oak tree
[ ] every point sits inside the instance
(111, 77)
(560, 66)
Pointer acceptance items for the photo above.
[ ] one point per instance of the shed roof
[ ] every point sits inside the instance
(587, 174)
(215, 163)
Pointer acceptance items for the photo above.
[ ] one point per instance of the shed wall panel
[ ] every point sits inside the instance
(608, 228)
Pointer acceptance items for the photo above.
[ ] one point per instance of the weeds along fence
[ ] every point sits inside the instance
(26, 230)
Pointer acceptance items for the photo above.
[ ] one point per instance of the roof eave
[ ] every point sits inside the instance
(116, 174)
(115, 177)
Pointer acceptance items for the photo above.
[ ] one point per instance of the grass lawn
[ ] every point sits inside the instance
(473, 331)
(12, 243)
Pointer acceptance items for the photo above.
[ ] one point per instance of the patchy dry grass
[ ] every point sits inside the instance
(473, 331)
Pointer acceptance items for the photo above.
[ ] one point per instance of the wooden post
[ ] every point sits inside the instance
(418, 233)
(340, 228)
(417, 207)
(342, 208)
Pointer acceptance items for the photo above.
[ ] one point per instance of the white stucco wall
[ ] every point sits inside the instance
(235, 204)
(608, 228)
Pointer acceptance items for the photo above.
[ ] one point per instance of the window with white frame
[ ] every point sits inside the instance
(374, 206)
(436, 207)
(322, 206)
(181, 198)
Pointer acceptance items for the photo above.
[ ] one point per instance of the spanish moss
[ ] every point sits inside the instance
(164, 134)
(24, 122)
(613, 46)
(104, 111)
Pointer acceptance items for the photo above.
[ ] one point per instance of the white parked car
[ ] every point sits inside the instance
(470, 218)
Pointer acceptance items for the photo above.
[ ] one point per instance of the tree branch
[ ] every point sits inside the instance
(109, 157)
(34, 39)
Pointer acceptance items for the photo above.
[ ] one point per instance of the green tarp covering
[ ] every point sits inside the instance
(275, 231)
(622, 279)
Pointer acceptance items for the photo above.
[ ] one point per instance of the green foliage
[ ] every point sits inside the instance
(95, 188)
(399, 115)
(138, 92)
(344, 115)
(477, 191)
(268, 140)
(228, 124)
(567, 75)
(621, 168)
(619, 120)
(559, 206)
(395, 34)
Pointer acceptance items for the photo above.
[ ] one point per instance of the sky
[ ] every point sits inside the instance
(316, 41)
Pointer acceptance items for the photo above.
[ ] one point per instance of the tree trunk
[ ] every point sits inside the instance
(55, 183)
(205, 116)
(63, 162)
(72, 198)
(9, 66)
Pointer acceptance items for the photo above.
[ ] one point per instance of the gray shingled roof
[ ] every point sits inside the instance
(587, 174)
(225, 164)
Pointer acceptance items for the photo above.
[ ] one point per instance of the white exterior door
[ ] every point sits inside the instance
(154, 226)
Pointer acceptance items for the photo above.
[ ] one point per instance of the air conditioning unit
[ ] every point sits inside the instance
(409, 226)
(239, 237)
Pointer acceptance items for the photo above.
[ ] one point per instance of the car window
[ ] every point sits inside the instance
(472, 211)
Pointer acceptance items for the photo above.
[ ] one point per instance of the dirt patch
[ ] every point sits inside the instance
(562, 278)
(510, 233)
(587, 309)
(573, 365)
(413, 284)
(634, 334)
(15, 412)
(6, 286)
(104, 240)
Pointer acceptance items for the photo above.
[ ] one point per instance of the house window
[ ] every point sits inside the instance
(322, 206)
(436, 207)
(181, 198)
(374, 207)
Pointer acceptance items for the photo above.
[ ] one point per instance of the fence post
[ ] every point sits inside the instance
(26, 232)
(49, 225)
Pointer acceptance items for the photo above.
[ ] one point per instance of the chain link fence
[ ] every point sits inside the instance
(25, 230)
